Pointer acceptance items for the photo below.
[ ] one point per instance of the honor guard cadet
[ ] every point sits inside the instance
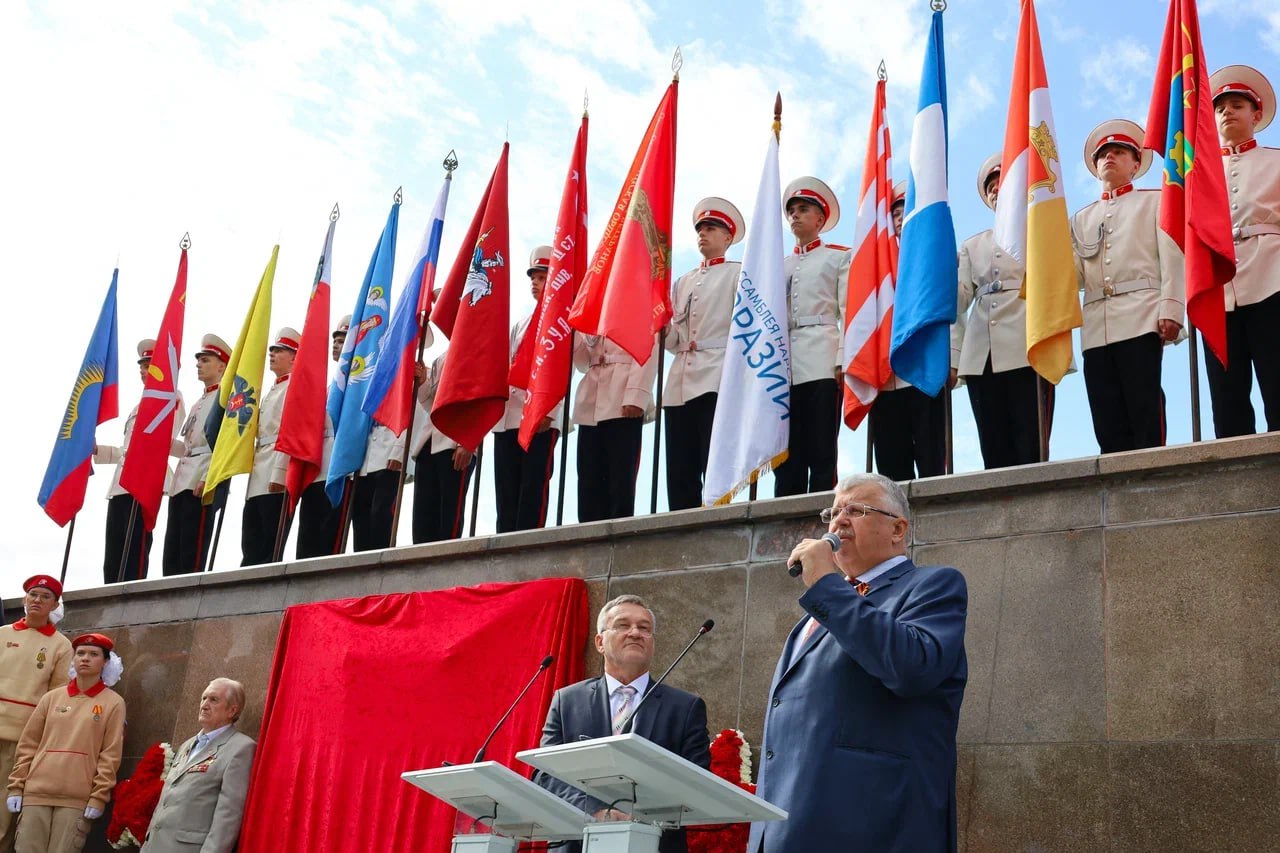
(1245, 104)
(613, 402)
(899, 206)
(320, 522)
(989, 343)
(1131, 273)
(34, 659)
(373, 497)
(521, 478)
(702, 302)
(264, 501)
(190, 527)
(442, 468)
(817, 285)
(124, 516)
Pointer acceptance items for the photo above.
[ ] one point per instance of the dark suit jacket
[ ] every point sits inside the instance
(671, 718)
(860, 733)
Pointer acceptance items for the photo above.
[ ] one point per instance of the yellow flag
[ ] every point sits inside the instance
(241, 393)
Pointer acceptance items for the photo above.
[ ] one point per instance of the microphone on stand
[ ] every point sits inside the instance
(796, 569)
(542, 667)
(704, 628)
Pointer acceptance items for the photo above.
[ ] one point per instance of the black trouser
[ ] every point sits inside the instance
(1252, 347)
(908, 429)
(318, 523)
(372, 505)
(815, 426)
(260, 526)
(521, 479)
(134, 567)
(188, 534)
(688, 442)
(608, 462)
(1004, 410)
(1123, 383)
(439, 496)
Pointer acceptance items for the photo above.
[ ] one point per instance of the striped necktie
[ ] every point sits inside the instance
(626, 691)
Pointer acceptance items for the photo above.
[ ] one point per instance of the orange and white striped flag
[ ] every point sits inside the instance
(1031, 213)
(873, 273)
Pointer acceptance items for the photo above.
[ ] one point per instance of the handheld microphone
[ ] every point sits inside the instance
(795, 569)
(705, 627)
(542, 667)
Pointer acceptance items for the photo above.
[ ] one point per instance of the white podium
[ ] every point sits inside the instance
(515, 808)
(657, 788)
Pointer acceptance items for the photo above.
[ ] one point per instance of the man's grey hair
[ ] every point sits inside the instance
(232, 692)
(603, 616)
(894, 496)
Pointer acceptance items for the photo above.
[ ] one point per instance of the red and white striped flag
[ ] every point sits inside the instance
(868, 312)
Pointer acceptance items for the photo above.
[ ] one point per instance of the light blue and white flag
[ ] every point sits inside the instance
(753, 419)
(358, 361)
(925, 301)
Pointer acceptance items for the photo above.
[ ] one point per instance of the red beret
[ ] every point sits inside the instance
(100, 640)
(45, 581)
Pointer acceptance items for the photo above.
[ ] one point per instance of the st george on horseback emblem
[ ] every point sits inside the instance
(478, 285)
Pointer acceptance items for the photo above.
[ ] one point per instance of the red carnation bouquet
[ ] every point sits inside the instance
(731, 761)
(136, 798)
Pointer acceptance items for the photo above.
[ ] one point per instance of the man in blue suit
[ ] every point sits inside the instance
(860, 732)
(598, 707)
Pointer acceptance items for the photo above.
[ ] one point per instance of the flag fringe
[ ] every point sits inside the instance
(752, 476)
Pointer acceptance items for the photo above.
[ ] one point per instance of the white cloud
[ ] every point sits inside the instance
(1116, 81)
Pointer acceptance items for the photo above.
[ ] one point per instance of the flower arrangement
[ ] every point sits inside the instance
(731, 761)
(136, 798)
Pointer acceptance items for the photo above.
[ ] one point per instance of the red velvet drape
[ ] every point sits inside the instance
(365, 689)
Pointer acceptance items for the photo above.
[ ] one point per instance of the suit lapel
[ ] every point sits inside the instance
(643, 724)
(887, 579)
(601, 724)
(210, 750)
(792, 657)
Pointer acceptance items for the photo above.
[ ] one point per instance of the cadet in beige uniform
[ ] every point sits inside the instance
(442, 468)
(817, 285)
(189, 531)
(320, 522)
(908, 427)
(522, 478)
(613, 402)
(34, 659)
(1131, 273)
(1245, 103)
(121, 506)
(989, 344)
(265, 497)
(702, 301)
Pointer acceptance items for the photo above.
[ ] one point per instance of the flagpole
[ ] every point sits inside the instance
(282, 530)
(564, 435)
(657, 421)
(949, 457)
(66, 554)
(128, 538)
(475, 494)
(450, 163)
(870, 441)
(1193, 362)
(217, 534)
(1040, 419)
(345, 521)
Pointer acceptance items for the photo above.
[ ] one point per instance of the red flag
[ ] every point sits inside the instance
(1193, 199)
(868, 320)
(147, 462)
(303, 420)
(473, 311)
(544, 358)
(626, 293)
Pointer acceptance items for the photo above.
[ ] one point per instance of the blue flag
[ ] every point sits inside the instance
(359, 361)
(95, 398)
(925, 300)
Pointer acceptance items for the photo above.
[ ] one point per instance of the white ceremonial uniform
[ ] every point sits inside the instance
(424, 430)
(192, 446)
(518, 396)
(383, 448)
(817, 285)
(613, 379)
(269, 465)
(991, 320)
(108, 454)
(702, 300)
(1253, 191)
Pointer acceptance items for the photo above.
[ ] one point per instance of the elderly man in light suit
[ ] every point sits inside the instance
(202, 802)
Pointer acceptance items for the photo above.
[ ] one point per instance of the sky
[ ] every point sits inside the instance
(242, 123)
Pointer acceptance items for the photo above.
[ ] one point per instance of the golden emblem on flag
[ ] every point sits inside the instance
(657, 242)
(1042, 141)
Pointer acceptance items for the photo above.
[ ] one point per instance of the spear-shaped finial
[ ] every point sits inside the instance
(584, 102)
(450, 163)
(335, 213)
(882, 73)
(185, 242)
(399, 196)
(677, 62)
(777, 117)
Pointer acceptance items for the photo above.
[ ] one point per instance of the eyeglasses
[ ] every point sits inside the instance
(852, 511)
(627, 628)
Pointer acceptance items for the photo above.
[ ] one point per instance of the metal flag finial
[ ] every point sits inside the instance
(185, 242)
(938, 5)
(399, 196)
(882, 73)
(677, 62)
(585, 99)
(777, 117)
(335, 213)
(450, 162)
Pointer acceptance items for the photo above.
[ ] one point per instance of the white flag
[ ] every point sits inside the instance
(753, 412)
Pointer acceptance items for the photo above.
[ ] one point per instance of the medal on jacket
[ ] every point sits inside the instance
(40, 658)
(97, 713)
(62, 709)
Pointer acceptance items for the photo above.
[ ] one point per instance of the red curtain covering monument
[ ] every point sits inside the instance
(364, 689)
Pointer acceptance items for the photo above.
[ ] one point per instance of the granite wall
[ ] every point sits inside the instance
(1123, 633)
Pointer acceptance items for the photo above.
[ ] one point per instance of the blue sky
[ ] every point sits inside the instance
(129, 124)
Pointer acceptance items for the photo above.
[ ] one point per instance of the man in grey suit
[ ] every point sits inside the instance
(202, 802)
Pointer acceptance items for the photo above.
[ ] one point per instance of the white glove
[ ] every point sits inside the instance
(91, 813)
(14, 804)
